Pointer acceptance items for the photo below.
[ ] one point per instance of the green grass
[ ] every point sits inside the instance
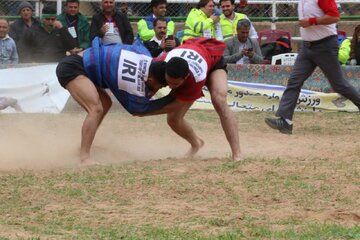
(26, 196)
(280, 197)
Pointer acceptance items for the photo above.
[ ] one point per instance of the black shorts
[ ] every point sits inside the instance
(219, 65)
(69, 68)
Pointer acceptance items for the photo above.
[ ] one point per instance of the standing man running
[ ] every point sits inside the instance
(317, 22)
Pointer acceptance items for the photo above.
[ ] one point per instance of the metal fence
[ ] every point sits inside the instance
(178, 9)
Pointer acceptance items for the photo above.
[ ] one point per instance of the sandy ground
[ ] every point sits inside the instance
(321, 151)
(43, 141)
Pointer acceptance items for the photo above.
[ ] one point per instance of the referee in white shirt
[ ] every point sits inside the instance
(317, 20)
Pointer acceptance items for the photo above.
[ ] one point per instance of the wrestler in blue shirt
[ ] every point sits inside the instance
(127, 70)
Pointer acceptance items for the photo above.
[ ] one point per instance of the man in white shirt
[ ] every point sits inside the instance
(317, 22)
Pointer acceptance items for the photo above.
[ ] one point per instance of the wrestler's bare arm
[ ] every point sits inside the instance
(171, 107)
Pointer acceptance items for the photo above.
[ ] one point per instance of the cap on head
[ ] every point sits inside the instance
(177, 67)
(25, 4)
(48, 10)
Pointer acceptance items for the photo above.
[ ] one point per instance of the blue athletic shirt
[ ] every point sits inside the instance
(123, 69)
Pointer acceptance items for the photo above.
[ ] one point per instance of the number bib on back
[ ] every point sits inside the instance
(132, 72)
(197, 64)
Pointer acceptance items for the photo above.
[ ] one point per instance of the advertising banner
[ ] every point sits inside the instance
(265, 97)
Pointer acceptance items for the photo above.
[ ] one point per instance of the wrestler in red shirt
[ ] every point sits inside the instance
(189, 67)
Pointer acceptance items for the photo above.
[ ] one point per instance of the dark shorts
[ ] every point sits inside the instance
(69, 68)
(219, 65)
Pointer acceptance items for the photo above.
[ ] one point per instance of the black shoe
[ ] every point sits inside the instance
(279, 124)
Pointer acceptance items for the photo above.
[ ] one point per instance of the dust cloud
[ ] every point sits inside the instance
(48, 141)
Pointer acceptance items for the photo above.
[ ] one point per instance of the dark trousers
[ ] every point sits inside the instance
(325, 56)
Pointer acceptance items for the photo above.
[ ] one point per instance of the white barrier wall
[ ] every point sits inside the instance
(32, 90)
(36, 90)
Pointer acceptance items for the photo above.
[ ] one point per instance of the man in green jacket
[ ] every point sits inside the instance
(77, 25)
(229, 19)
(146, 25)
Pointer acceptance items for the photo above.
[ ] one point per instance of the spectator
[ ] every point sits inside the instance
(160, 43)
(146, 25)
(242, 49)
(344, 49)
(21, 25)
(8, 52)
(49, 41)
(355, 47)
(111, 25)
(77, 25)
(200, 21)
(229, 19)
(125, 9)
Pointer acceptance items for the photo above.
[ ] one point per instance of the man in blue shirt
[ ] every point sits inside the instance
(8, 51)
(127, 70)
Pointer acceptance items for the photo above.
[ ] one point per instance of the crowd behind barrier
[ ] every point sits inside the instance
(346, 27)
(259, 30)
(255, 8)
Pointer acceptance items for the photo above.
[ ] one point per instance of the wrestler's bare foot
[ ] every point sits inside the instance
(194, 149)
(87, 162)
(237, 157)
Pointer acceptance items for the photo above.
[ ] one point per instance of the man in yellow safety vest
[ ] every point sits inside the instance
(229, 19)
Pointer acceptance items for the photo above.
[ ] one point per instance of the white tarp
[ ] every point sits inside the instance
(31, 89)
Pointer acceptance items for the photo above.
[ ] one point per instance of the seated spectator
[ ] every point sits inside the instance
(355, 47)
(242, 49)
(268, 50)
(77, 25)
(125, 9)
(344, 49)
(21, 25)
(200, 21)
(111, 25)
(161, 43)
(8, 52)
(48, 42)
(229, 19)
(146, 25)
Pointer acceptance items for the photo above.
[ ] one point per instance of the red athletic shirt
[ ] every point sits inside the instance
(202, 54)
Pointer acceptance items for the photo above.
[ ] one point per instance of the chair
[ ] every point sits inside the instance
(270, 36)
(341, 32)
(285, 58)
